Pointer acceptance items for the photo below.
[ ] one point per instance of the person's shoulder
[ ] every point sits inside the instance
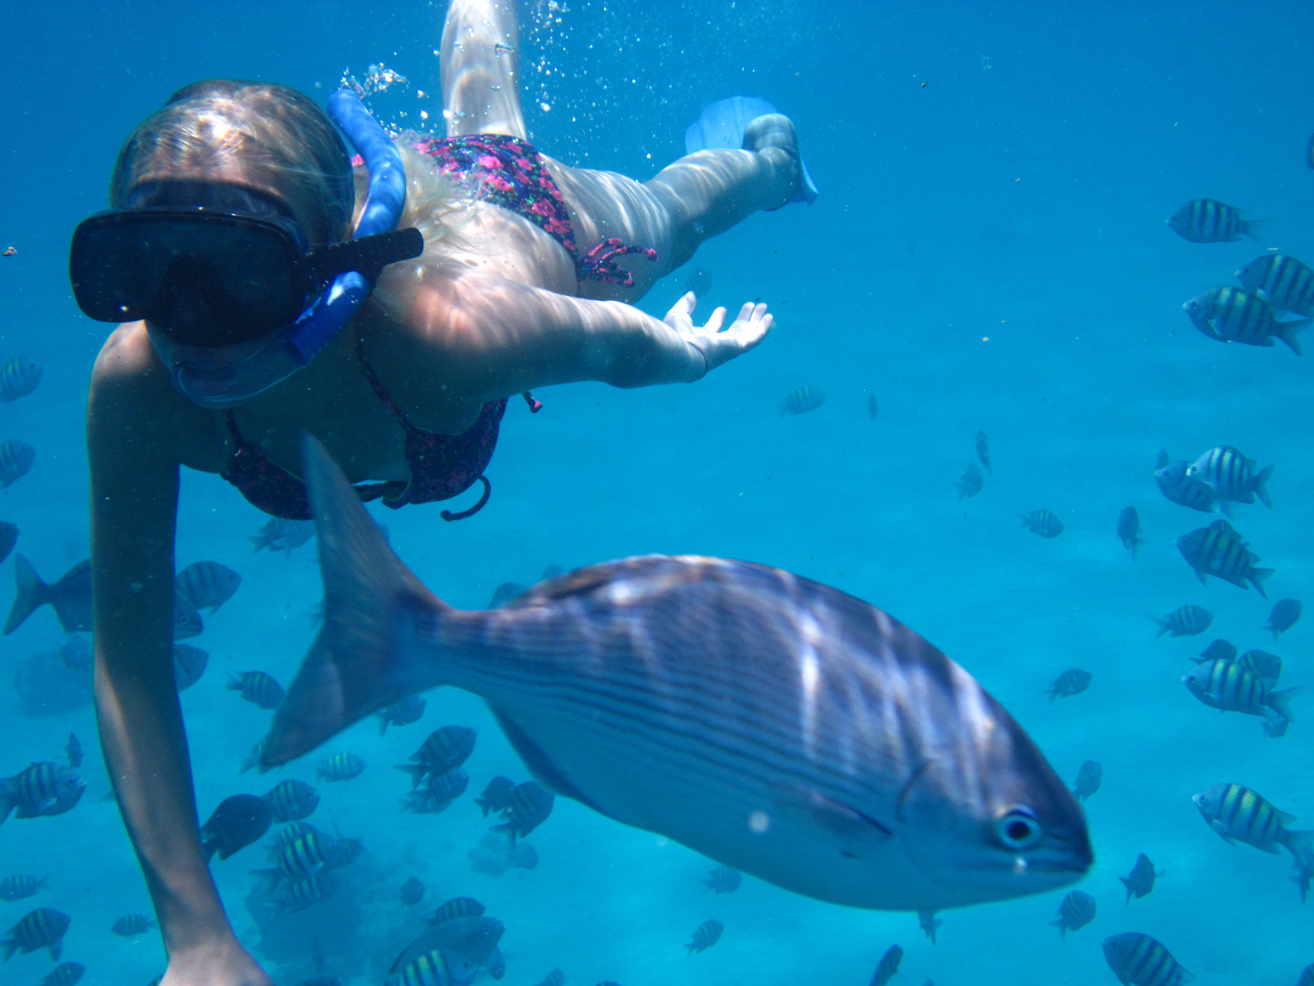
(127, 353)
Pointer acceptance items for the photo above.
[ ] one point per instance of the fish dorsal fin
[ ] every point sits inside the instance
(580, 582)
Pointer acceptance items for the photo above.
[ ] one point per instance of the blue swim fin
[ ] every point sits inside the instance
(722, 125)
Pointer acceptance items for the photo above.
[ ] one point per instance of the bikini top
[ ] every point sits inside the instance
(441, 466)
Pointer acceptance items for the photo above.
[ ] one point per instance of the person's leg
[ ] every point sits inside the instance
(698, 197)
(481, 69)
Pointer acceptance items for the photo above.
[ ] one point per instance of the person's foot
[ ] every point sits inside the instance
(777, 130)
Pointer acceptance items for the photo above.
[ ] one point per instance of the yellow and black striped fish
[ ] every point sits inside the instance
(705, 936)
(1284, 282)
(425, 970)
(42, 928)
(20, 886)
(1229, 687)
(291, 801)
(44, 788)
(340, 767)
(802, 401)
(1239, 814)
(1218, 550)
(18, 378)
(208, 584)
(16, 459)
(1042, 522)
(1210, 221)
(64, 974)
(1076, 911)
(1185, 621)
(1139, 960)
(258, 688)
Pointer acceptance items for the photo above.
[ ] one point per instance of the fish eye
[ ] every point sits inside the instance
(1018, 828)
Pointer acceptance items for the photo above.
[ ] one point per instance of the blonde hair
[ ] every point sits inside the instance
(257, 135)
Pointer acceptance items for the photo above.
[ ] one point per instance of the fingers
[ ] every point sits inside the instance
(688, 302)
(716, 321)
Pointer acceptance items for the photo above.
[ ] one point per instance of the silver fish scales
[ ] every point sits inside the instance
(846, 760)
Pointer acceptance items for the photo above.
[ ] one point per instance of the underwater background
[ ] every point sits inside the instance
(989, 252)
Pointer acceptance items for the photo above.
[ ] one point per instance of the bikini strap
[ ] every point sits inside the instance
(383, 395)
(599, 264)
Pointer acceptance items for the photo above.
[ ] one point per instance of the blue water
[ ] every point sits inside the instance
(989, 252)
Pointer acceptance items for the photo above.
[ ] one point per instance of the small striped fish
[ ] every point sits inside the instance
(529, 806)
(1284, 282)
(288, 835)
(1227, 686)
(20, 886)
(1263, 665)
(1232, 315)
(556, 978)
(458, 907)
(44, 788)
(437, 793)
(1239, 814)
(186, 620)
(208, 584)
(42, 928)
(1071, 682)
(16, 459)
(18, 378)
(300, 894)
(1140, 881)
(132, 924)
(802, 401)
(443, 751)
(723, 880)
(1089, 777)
(427, 969)
(292, 800)
(189, 664)
(1210, 221)
(403, 713)
(1076, 911)
(283, 535)
(1284, 616)
(1042, 522)
(258, 688)
(1231, 476)
(983, 451)
(929, 923)
(1181, 489)
(1139, 960)
(64, 974)
(340, 767)
(1129, 530)
(497, 796)
(707, 934)
(888, 967)
(1218, 550)
(1185, 621)
(737, 709)
(1219, 650)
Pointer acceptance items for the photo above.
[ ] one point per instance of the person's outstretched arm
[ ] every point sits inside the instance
(134, 497)
(500, 337)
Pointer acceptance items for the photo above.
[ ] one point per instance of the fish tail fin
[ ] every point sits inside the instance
(1260, 485)
(1062, 927)
(1301, 846)
(1289, 332)
(1164, 625)
(1257, 577)
(1226, 507)
(11, 945)
(7, 800)
(363, 659)
(1250, 226)
(31, 594)
(415, 772)
(1127, 883)
(1279, 702)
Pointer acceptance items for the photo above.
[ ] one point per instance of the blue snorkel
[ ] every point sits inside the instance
(223, 378)
(324, 317)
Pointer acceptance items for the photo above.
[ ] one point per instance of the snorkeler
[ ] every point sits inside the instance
(266, 289)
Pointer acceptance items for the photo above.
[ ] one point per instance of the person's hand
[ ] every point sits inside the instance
(717, 346)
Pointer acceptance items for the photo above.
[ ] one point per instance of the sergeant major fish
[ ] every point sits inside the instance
(1228, 687)
(42, 928)
(1231, 476)
(18, 378)
(1231, 315)
(208, 584)
(42, 789)
(1284, 282)
(1140, 881)
(283, 535)
(645, 660)
(1071, 682)
(340, 767)
(16, 460)
(1210, 221)
(1139, 960)
(723, 880)
(705, 936)
(1284, 616)
(403, 713)
(1182, 489)
(1076, 911)
(1185, 621)
(1042, 522)
(258, 688)
(19, 887)
(802, 401)
(1239, 814)
(1218, 550)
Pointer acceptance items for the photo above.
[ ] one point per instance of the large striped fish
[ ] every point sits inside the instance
(1218, 550)
(773, 724)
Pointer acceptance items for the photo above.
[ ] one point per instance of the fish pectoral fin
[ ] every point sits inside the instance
(1221, 829)
(856, 830)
